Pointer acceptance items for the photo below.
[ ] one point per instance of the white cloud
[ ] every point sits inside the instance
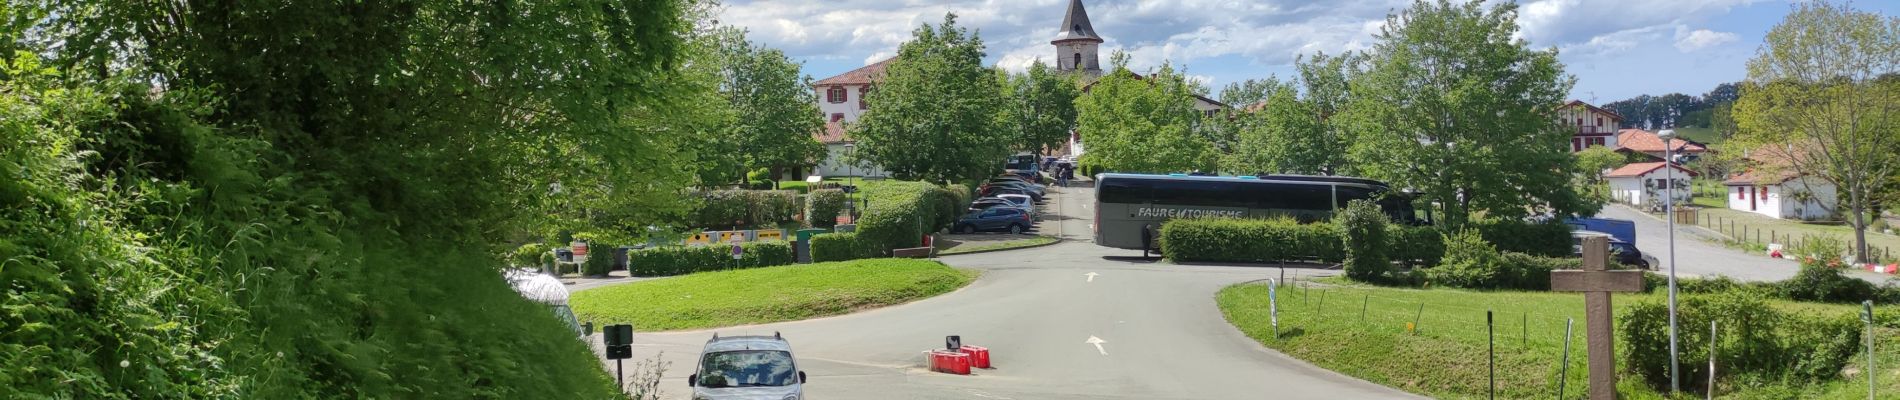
(1689, 41)
(1612, 43)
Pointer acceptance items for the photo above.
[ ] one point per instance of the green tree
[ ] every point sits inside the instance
(1039, 106)
(934, 116)
(776, 111)
(1142, 124)
(1821, 98)
(1294, 133)
(1451, 106)
(1592, 163)
(1248, 92)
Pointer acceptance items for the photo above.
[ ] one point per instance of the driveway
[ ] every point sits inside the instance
(1699, 252)
(1162, 336)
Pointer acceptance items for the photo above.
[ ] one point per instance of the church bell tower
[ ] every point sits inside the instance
(1076, 44)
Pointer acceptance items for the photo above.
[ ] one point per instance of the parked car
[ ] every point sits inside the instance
(1009, 219)
(1620, 251)
(987, 202)
(747, 367)
(1037, 190)
(994, 191)
(1022, 201)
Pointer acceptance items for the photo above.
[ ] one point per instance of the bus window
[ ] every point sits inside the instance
(1346, 194)
(1289, 196)
(1124, 191)
(1196, 193)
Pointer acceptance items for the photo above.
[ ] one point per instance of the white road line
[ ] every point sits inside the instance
(1091, 276)
(1098, 344)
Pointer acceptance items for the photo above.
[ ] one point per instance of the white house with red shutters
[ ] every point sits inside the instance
(1771, 187)
(841, 100)
(1643, 184)
(1594, 126)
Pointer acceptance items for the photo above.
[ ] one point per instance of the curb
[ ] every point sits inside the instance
(1056, 242)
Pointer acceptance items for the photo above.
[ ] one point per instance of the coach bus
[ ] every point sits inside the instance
(1129, 208)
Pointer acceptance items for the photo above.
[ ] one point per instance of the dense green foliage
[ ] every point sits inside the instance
(1039, 107)
(1250, 240)
(823, 206)
(841, 247)
(902, 212)
(1416, 245)
(1756, 343)
(934, 115)
(774, 107)
(1368, 241)
(1142, 123)
(600, 259)
(295, 200)
(1451, 104)
(1548, 239)
(529, 255)
(1295, 133)
(1827, 79)
(1473, 263)
(724, 209)
(761, 295)
(677, 260)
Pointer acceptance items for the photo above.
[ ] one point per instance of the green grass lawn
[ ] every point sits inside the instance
(1759, 226)
(1706, 136)
(944, 249)
(1447, 356)
(772, 294)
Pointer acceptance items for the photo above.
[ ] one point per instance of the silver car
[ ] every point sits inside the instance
(747, 368)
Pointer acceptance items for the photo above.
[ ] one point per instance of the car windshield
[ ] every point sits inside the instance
(746, 368)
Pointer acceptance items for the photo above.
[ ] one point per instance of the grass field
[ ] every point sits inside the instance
(1447, 356)
(772, 294)
(1759, 228)
(1700, 135)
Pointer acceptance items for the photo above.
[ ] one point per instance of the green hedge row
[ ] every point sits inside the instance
(1473, 263)
(841, 247)
(823, 206)
(1250, 240)
(1548, 239)
(721, 209)
(901, 212)
(679, 260)
(1756, 342)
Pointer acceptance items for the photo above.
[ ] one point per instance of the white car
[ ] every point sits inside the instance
(747, 368)
(1019, 200)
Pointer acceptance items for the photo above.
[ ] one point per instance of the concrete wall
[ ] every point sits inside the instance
(834, 165)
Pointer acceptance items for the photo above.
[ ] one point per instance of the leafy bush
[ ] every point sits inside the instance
(901, 212)
(1250, 240)
(1417, 245)
(1819, 251)
(721, 209)
(841, 247)
(1367, 241)
(1470, 262)
(1528, 272)
(1824, 284)
(600, 259)
(679, 260)
(823, 206)
(1755, 342)
(530, 255)
(1548, 239)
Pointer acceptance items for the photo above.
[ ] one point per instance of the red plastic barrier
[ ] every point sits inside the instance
(949, 362)
(979, 357)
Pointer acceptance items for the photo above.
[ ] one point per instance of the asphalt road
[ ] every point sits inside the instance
(1699, 252)
(1036, 309)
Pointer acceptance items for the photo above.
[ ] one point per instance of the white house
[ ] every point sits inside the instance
(841, 100)
(1594, 126)
(1642, 184)
(1781, 194)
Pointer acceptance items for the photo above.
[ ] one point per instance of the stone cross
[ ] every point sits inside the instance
(1596, 282)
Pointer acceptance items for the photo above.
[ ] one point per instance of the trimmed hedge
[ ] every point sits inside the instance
(719, 209)
(1416, 245)
(1251, 240)
(840, 247)
(679, 260)
(901, 212)
(823, 206)
(1757, 342)
(1471, 262)
(1548, 239)
(600, 259)
(1368, 241)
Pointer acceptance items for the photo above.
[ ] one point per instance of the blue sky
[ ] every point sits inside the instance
(1616, 48)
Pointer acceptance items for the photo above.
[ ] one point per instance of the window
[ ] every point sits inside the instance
(1579, 121)
(835, 95)
(1208, 113)
(1763, 194)
(837, 117)
(861, 92)
(1599, 121)
(1078, 61)
(1741, 193)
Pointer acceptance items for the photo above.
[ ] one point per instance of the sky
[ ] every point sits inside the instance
(1617, 49)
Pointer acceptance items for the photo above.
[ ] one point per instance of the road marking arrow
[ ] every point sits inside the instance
(1098, 344)
(1091, 276)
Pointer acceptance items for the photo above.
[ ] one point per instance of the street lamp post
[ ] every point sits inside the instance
(851, 169)
(1669, 209)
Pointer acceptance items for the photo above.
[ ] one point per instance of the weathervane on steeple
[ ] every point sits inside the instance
(1076, 44)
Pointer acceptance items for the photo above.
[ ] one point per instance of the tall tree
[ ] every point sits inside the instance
(934, 116)
(775, 109)
(1817, 100)
(1455, 108)
(1132, 123)
(1248, 92)
(1039, 107)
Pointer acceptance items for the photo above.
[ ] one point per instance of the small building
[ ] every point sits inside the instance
(1643, 184)
(1638, 141)
(841, 99)
(1594, 126)
(1780, 192)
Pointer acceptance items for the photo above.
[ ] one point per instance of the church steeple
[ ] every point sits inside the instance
(1076, 43)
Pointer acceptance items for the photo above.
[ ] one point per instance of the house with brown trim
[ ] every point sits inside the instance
(1594, 126)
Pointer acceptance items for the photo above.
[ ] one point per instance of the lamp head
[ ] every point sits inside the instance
(1666, 134)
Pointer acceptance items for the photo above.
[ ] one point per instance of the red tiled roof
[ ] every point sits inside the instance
(1573, 103)
(1091, 85)
(862, 76)
(1768, 166)
(1638, 169)
(834, 132)
(1646, 141)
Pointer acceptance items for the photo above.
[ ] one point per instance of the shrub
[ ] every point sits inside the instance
(823, 206)
(1528, 272)
(529, 256)
(1470, 262)
(1548, 239)
(1365, 230)
(1819, 250)
(678, 260)
(1250, 240)
(1417, 245)
(1825, 284)
(719, 209)
(600, 259)
(1755, 341)
(840, 247)
(901, 212)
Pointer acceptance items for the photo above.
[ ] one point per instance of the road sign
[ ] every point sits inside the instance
(737, 251)
(953, 342)
(619, 341)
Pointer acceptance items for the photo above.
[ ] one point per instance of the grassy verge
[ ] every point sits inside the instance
(1756, 228)
(772, 294)
(1446, 358)
(961, 248)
